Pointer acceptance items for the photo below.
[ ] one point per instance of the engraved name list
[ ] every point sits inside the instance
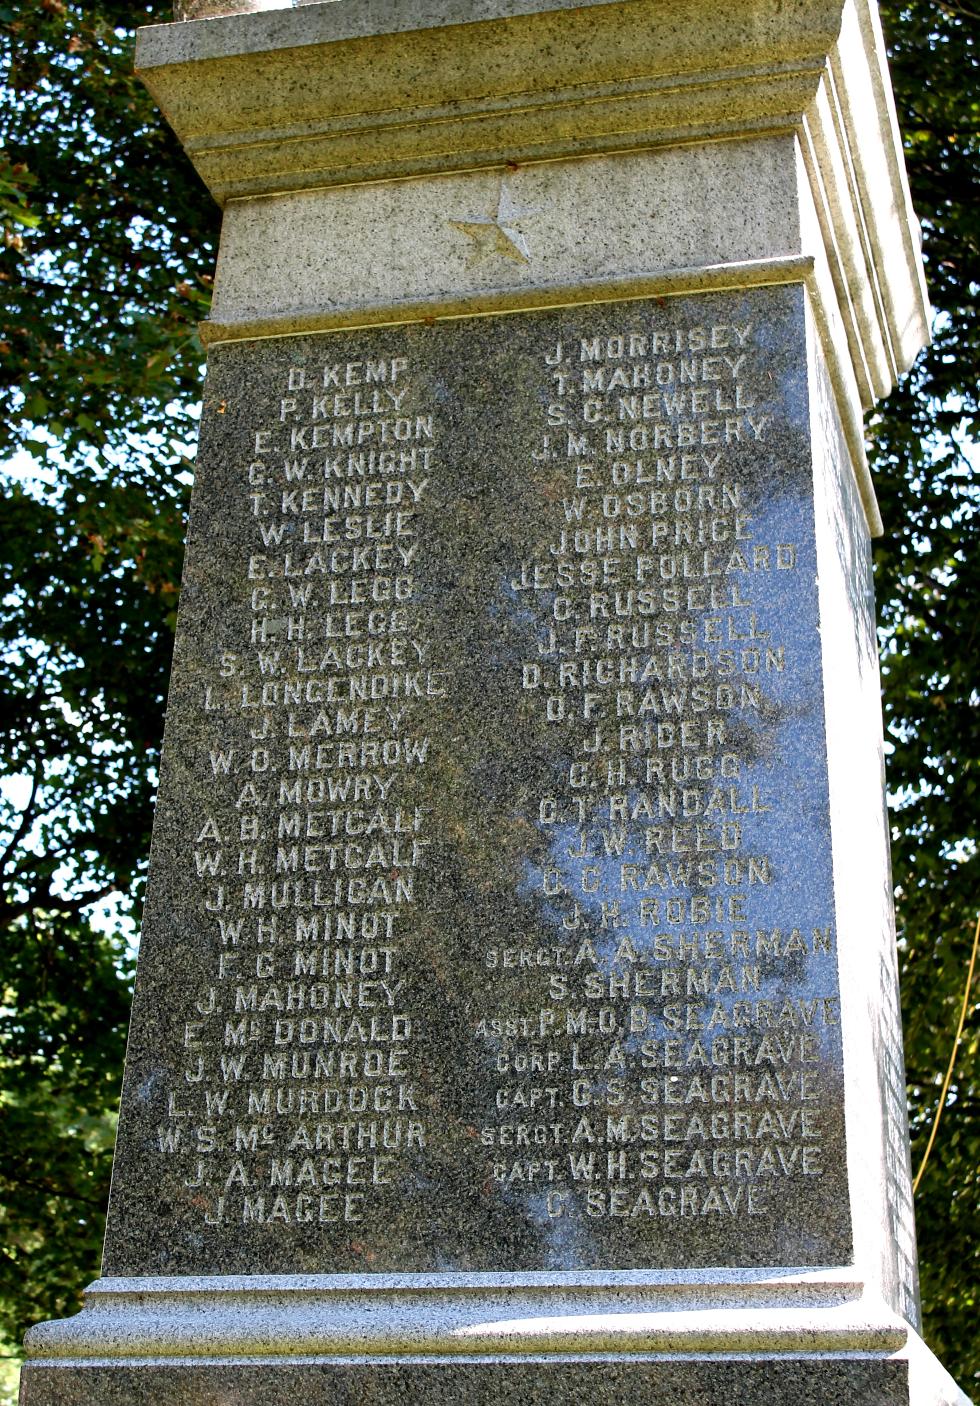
(493, 861)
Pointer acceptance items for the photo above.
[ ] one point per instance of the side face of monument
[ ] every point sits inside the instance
(516, 1005)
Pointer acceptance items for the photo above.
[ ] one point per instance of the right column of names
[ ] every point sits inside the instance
(686, 980)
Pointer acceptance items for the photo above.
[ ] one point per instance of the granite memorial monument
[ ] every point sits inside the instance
(516, 1015)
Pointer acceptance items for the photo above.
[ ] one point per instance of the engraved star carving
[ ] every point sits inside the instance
(499, 233)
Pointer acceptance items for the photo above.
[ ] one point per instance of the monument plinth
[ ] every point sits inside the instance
(517, 1004)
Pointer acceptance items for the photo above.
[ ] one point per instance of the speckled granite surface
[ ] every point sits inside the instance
(492, 1384)
(490, 921)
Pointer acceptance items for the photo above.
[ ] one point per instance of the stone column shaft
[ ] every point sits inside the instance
(528, 594)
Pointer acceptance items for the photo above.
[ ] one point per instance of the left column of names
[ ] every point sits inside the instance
(297, 1099)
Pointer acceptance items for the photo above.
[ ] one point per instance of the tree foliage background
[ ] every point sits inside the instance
(108, 244)
(928, 582)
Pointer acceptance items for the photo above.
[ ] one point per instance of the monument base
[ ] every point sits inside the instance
(788, 1338)
(607, 1383)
